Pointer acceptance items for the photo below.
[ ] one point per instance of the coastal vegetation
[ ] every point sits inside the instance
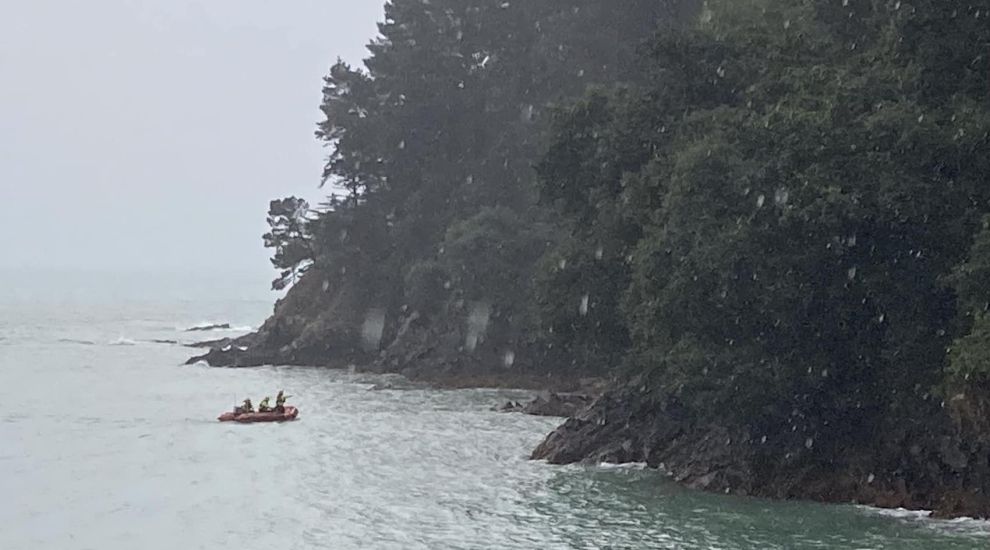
(766, 221)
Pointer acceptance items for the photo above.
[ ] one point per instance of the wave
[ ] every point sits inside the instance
(122, 342)
(898, 513)
(977, 525)
(963, 526)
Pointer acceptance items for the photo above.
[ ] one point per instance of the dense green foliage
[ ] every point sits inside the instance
(433, 146)
(791, 192)
(775, 208)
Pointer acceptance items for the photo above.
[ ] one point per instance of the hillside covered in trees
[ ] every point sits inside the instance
(767, 221)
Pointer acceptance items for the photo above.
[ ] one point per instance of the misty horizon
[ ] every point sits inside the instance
(150, 137)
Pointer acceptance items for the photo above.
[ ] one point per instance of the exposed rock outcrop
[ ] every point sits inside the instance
(550, 404)
(322, 323)
(909, 464)
(207, 328)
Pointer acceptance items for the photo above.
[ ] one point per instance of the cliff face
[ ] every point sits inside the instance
(318, 323)
(311, 325)
(917, 462)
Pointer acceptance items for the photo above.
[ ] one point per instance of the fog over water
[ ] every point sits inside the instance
(151, 135)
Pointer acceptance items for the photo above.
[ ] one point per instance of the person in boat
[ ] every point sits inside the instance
(264, 406)
(280, 401)
(246, 407)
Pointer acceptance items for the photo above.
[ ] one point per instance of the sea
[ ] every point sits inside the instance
(109, 442)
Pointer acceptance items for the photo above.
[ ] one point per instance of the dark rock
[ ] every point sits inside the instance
(904, 464)
(218, 343)
(952, 455)
(319, 323)
(557, 404)
(205, 328)
(549, 404)
(510, 406)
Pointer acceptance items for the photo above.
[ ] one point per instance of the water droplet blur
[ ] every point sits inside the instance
(477, 324)
(372, 329)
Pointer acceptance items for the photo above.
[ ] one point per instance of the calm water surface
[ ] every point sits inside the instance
(109, 444)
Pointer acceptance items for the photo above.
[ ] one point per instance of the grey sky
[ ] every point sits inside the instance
(151, 134)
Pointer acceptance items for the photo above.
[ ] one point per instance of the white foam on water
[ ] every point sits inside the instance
(897, 513)
(623, 466)
(962, 525)
(122, 342)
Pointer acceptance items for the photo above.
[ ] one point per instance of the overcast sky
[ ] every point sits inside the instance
(151, 134)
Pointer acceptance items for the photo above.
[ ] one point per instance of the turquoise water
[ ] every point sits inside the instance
(110, 444)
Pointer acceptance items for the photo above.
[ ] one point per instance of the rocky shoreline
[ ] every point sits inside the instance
(620, 426)
(231, 353)
(918, 461)
(908, 467)
(322, 326)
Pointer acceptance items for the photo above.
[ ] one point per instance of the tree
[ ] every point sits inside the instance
(288, 219)
(789, 210)
(434, 141)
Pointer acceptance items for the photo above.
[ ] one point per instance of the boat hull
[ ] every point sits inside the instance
(290, 413)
